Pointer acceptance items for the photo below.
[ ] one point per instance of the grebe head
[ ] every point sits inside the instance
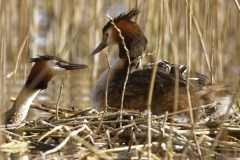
(45, 68)
(134, 38)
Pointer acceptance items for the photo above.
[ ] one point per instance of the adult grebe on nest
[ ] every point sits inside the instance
(137, 87)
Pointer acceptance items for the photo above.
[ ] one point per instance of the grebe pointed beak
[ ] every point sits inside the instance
(100, 47)
(71, 66)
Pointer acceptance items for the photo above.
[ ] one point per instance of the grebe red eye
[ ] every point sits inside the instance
(57, 63)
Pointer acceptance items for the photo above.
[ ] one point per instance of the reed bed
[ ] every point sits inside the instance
(203, 35)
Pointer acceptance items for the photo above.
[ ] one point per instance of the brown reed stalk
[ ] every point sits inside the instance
(212, 56)
(176, 85)
(106, 93)
(189, 5)
(129, 64)
(60, 94)
(237, 4)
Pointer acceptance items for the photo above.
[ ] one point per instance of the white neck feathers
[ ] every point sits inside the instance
(20, 108)
(117, 67)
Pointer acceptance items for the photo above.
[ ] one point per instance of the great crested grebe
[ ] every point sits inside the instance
(44, 69)
(137, 87)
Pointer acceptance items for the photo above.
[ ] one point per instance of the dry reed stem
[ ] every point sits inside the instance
(188, 76)
(9, 133)
(51, 131)
(109, 139)
(149, 101)
(46, 124)
(60, 94)
(130, 142)
(75, 133)
(176, 84)
(108, 76)
(9, 75)
(129, 64)
(200, 37)
(237, 4)
(125, 148)
(106, 93)
(184, 142)
(212, 56)
(150, 92)
(89, 117)
(178, 140)
(148, 156)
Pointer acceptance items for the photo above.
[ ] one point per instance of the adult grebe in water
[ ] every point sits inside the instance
(44, 69)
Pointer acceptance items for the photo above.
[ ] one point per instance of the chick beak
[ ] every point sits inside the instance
(70, 66)
(100, 47)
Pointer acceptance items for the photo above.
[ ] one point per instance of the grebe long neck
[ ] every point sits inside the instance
(20, 108)
(37, 80)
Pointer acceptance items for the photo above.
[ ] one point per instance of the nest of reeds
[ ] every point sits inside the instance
(87, 133)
